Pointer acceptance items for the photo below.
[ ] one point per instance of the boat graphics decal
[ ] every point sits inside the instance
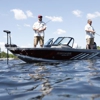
(64, 53)
(85, 56)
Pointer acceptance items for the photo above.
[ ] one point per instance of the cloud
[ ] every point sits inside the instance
(27, 25)
(94, 15)
(77, 13)
(19, 14)
(57, 19)
(29, 13)
(60, 31)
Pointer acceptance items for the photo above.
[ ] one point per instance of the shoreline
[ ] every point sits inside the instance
(6, 59)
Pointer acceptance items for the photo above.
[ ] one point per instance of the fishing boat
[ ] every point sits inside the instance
(62, 49)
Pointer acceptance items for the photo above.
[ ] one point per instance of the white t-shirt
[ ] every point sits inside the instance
(89, 34)
(39, 25)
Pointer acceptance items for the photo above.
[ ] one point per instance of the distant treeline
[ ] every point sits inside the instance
(98, 47)
(4, 55)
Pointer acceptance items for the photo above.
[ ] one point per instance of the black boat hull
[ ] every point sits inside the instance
(31, 55)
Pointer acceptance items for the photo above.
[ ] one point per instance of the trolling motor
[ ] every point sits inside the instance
(9, 39)
(8, 44)
(8, 32)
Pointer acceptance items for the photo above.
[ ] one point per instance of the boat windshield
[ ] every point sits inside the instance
(49, 42)
(64, 41)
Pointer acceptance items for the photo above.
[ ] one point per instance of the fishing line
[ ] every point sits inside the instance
(97, 34)
(47, 21)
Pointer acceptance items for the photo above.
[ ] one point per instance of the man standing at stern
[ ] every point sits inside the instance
(90, 32)
(39, 27)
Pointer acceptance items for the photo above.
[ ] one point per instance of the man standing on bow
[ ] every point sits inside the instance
(39, 27)
(90, 32)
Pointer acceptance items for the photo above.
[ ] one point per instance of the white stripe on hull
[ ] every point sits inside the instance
(77, 56)
(93, 55)
(84, 56)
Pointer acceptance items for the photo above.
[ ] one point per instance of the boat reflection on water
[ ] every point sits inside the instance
(46, 87)
(91, 80)
(88, 78)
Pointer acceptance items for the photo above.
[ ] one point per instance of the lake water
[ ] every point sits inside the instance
(70, 80)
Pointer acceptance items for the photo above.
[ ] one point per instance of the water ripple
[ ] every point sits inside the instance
(70, 80)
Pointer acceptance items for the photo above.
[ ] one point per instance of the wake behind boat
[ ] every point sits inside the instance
(61, 49)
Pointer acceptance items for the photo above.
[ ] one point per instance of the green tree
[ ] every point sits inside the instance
(98, 47)
(4, 55)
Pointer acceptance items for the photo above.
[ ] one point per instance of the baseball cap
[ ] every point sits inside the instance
(39, 16)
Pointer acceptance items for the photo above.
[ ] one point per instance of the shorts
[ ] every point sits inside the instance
(39, 39)
(90, 41)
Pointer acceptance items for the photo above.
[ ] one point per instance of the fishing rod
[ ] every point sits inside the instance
(41, 27)
(45, 23)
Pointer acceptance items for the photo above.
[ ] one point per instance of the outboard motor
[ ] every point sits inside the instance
(94, 45)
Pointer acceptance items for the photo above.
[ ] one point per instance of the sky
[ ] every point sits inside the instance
(62, 17)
